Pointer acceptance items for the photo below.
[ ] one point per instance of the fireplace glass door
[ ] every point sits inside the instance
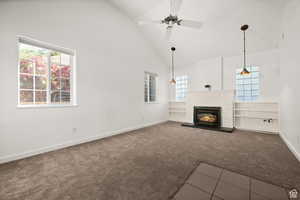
(207, 116)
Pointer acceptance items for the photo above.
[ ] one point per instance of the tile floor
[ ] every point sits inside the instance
(208, 182)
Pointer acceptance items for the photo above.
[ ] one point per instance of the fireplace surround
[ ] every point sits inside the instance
(221, 99)
(208, 118)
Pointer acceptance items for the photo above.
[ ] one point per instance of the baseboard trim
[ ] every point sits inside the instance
(291, 147)
(27, 154)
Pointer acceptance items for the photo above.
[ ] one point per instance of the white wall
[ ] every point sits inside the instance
(210, 72)
(111, 59)
(290, 70)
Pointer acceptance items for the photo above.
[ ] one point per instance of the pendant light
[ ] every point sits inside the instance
(244, 71)
(173, 81)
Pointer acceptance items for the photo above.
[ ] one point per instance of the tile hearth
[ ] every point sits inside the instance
(208, 182)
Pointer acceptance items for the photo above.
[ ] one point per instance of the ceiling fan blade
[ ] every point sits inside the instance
(168, 33)
(147, 22)
(191, 23)
(175, 6)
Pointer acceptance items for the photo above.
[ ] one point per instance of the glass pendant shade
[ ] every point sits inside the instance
(173, 81)
(245, 71)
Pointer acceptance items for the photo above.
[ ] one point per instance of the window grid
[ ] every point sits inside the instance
(181, 87)
(146, 88)
(34, 76)
(61, 78)
(44, 76)
(247, 86)
(150, 87)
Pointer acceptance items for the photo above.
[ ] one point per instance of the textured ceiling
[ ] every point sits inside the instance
(220, 34)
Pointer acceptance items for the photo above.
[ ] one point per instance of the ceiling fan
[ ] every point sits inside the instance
(173, 20)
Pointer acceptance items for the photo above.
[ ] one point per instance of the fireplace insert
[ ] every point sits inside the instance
(207, 116)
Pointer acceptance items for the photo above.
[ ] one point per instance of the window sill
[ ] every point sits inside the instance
(47, 106)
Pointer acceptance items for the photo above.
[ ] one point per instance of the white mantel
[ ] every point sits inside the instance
(223, 99)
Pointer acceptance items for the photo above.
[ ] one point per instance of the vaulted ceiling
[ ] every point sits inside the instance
(220, 34)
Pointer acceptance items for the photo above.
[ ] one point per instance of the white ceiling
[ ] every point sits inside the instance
(220, 34)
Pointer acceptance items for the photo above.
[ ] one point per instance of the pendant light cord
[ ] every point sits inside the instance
(244, 49)
(172, 64)
(244, 71)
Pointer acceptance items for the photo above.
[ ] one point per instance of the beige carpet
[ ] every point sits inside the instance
(150, 163)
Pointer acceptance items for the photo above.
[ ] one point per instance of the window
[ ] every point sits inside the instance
(45, 74)
(181, 87)
(150, 87)
(247, 86)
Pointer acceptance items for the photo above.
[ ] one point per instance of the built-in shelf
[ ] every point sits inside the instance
(176, 111)
(256, 102)
(254, 117)
(173, 107)
(183, 102)
(256, 110)
(258, 116)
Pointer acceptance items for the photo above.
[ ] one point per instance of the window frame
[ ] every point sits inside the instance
(148, 74)
(185, 90)
(51, 47)
(251, 84)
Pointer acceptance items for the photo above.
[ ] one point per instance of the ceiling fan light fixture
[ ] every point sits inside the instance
(173, 20)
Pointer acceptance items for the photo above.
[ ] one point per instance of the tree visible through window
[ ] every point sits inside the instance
(150, 87)
(181, 87)
(247, 86)
(45, 75)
